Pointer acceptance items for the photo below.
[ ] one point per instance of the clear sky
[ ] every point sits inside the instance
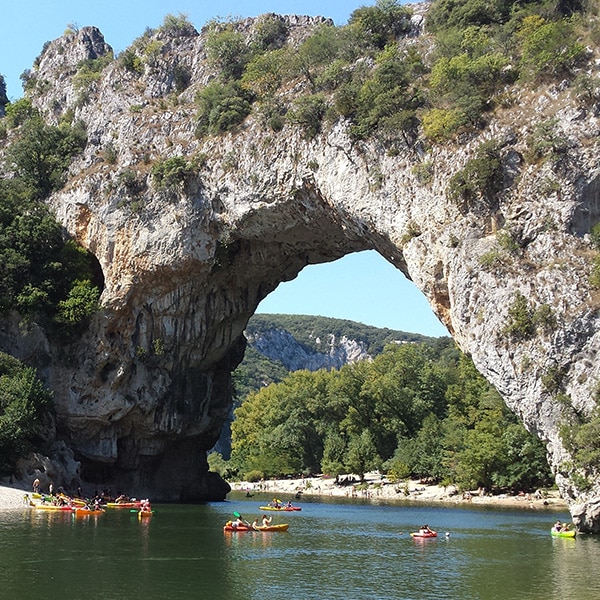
(361, 287)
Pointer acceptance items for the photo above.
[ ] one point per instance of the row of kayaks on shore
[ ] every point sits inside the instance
(81, 507)
(82, 511)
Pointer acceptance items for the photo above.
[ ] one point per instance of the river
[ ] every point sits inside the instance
(347, 549)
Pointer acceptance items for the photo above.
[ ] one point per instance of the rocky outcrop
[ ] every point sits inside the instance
(280, 345)
(142, 396)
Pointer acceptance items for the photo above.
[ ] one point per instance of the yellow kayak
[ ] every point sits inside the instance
(54, 507)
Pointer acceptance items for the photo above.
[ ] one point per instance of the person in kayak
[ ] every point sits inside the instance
(561, 527)
(239, 522)
(266, 521)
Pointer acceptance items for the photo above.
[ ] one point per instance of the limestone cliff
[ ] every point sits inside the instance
(143, 395)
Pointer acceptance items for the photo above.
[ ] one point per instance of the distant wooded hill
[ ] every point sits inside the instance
(279, 344)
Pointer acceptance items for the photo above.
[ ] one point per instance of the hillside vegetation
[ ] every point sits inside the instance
(386, 82)
(314, 333)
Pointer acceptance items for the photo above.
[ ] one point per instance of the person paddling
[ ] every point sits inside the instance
(266, 521)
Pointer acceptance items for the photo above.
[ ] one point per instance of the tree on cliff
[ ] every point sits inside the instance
(44, 276)
(3, 96)
(25, 411)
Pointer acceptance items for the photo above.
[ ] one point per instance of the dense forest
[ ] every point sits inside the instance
(313, 333)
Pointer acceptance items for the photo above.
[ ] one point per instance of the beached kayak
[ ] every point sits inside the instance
(568, 534)
(281, 527)
(281, 508)
(424, 534)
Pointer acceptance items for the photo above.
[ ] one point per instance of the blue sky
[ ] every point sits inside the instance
(361, 287)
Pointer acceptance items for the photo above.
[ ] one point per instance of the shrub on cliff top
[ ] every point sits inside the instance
(381, 24)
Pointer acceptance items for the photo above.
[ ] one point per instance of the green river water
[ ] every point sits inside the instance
(332, 550)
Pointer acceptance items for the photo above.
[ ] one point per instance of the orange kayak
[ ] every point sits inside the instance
(282, 527)
(84, 512)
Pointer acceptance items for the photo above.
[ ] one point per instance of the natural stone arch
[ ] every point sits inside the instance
(185, 267)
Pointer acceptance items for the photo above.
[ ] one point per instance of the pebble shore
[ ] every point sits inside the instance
(377, 488)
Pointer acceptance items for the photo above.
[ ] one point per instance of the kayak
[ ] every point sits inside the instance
(54, 507)
(84, 512)
(123, 504)
(229, 527)
(74, 501)
(144, 514)
(281, 508)
(428, 534)
(570, 533)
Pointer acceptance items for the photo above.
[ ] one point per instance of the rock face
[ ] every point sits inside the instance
(143, 395)
(281, 345)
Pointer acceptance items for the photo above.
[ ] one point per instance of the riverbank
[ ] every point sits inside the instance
(375, 487)
(12, 497)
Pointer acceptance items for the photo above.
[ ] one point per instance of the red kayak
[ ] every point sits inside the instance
(424, 534)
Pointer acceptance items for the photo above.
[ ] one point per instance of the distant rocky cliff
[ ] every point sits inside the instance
(282, 346)
(143, 395)
(314, 342)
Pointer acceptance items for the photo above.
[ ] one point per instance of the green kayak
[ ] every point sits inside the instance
(570, 533)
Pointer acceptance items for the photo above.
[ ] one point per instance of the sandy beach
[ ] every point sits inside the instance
(376, 488)
(12, 497)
